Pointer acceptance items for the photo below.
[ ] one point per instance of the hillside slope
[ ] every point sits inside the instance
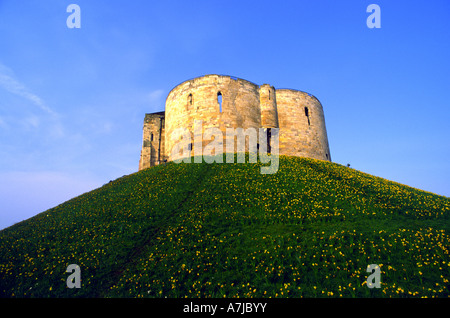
(225, 230)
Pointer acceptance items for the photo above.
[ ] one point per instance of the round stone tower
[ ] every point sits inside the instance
(221, 102)
(215, 101)
(302, 125)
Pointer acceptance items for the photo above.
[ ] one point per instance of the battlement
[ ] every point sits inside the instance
(223, 101)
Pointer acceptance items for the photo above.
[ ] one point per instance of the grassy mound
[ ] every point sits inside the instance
(226, 230)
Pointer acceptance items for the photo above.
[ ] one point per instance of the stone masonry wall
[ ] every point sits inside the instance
(268, 104)
(302, 125)
(197, 100)
(153, 146)
(298, 115)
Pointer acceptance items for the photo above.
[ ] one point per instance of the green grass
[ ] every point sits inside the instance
(225, 230)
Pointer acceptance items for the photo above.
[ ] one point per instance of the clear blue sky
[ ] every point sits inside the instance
(72, 101)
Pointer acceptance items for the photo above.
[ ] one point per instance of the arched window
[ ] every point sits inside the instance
(219, 100)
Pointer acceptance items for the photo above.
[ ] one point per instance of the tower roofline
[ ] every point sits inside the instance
(208, 75)
(299, 91)
(156, 113)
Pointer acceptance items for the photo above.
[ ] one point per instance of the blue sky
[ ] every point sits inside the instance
(72, 101)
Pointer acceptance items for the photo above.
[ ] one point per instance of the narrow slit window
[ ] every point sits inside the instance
(269, 137)
(219, 100)
(307, 115)
(190, 99)
(151, 137)
(269, 94)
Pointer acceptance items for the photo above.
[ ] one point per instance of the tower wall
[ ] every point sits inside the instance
(153, 145)
(268, 104)
(302, 125)
(197, 100)
(222, 102)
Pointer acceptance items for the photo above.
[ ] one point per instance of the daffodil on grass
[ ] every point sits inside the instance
(218, 230)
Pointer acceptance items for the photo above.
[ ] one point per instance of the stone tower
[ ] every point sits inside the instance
(229, 102)
(153, 147)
